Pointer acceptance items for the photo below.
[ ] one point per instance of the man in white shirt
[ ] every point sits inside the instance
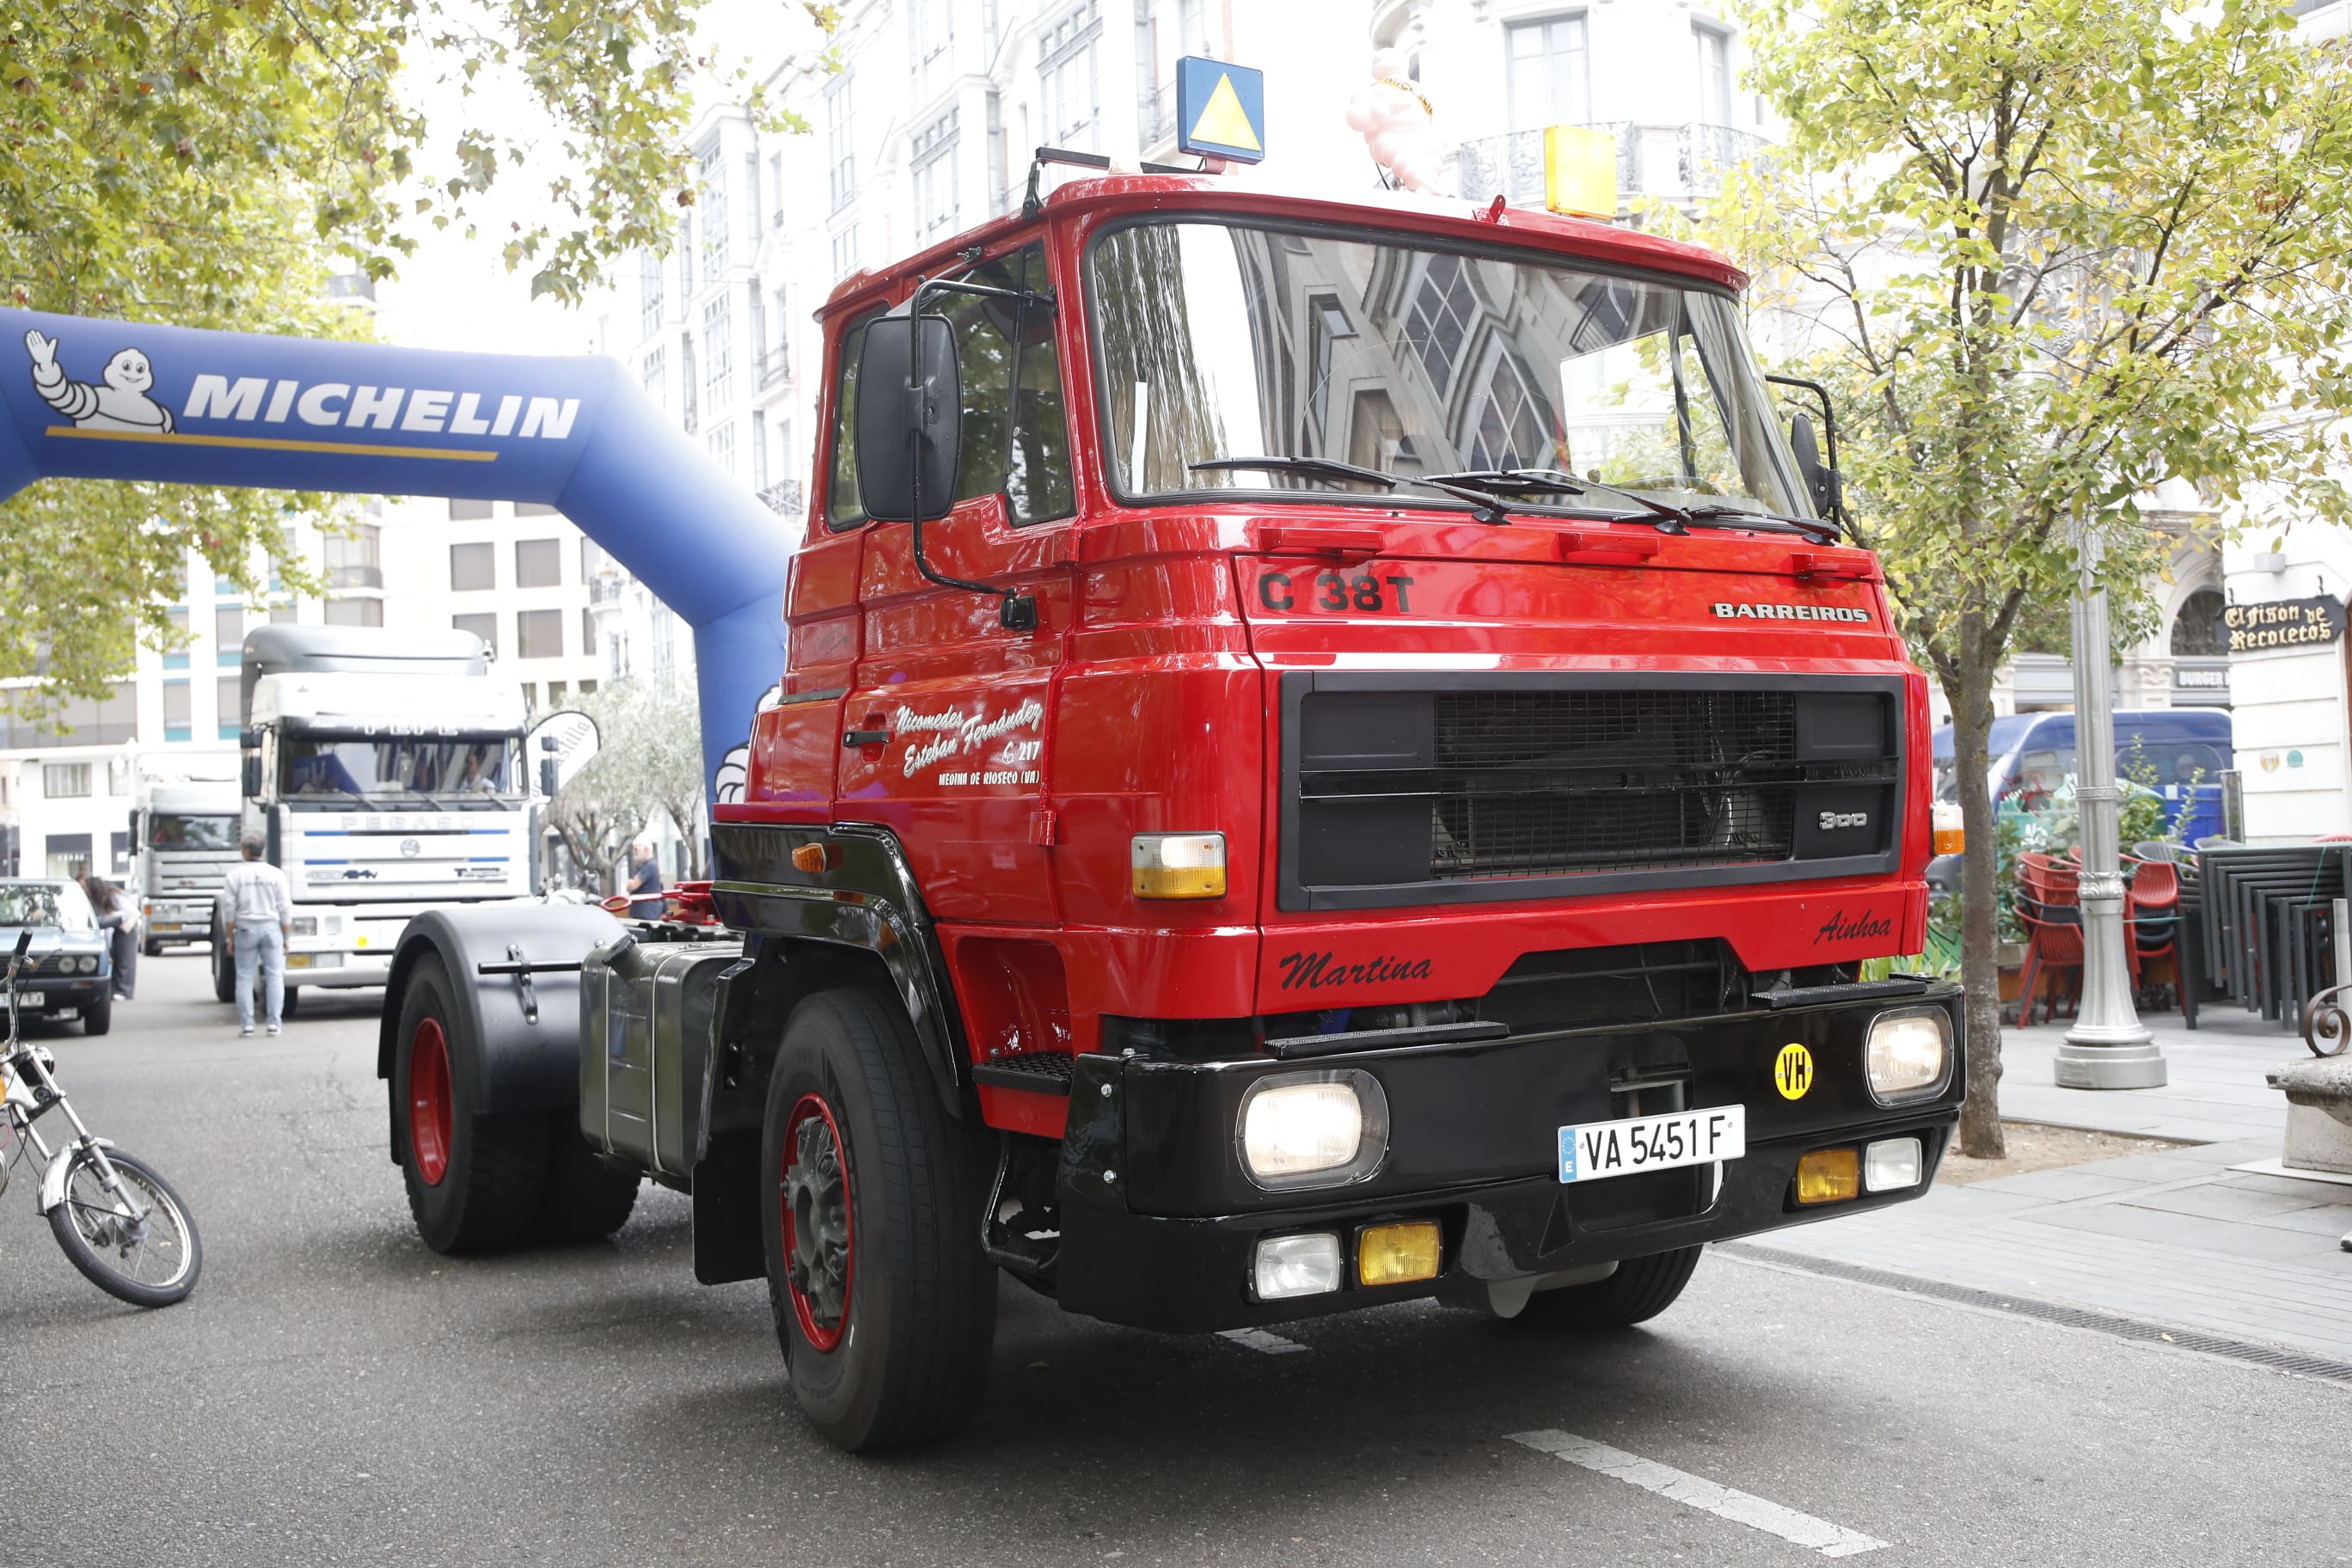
(257, 911)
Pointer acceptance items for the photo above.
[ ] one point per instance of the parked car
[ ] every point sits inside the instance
(2179, 752)
(68, 970)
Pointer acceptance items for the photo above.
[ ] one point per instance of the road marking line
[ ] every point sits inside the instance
(1261, 1341)
(1697, 1492)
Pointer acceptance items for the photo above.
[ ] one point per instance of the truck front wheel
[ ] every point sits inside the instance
(884, 1303)
(224, 966)
(1640, 1289)
(474, 1180)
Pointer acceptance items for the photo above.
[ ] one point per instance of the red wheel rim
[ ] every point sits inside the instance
(819, 1248)
(429, 1101)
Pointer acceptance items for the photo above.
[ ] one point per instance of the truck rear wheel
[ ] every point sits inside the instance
(224, 967)
(1640, 1289)
(884, 1303)
(586, 1199)
(475, 1180)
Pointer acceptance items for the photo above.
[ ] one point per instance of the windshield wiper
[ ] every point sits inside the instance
(1817, 531)
(1553, 482)
(1487, 509)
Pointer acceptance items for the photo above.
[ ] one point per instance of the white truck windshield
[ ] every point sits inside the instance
(166, 831)
(1221, 341)
(381, 766)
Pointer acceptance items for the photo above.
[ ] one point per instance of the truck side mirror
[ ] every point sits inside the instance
(252, 776)
(1821, 479)
(909, 418)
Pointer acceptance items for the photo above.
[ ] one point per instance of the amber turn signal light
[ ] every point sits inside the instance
(813, 858)
(1397, 1254)
(1829, 1176)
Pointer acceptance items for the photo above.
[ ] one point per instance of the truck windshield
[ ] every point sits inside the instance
(191, 832)
(379, 766)
(1221, 341)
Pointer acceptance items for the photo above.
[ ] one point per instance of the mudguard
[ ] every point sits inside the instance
(526, 1065)
(53, 1179)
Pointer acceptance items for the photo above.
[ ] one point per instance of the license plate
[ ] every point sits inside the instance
(31, 999)
(1601, 1149)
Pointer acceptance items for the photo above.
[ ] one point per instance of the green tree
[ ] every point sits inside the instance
(209, 165)
(2049, 254)
(648, 759)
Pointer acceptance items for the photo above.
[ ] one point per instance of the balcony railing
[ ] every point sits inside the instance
(1512, 167)
(604, 588)
(769, 366)
(784, 499)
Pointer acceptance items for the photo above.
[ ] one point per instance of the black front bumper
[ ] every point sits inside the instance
(1160, 1223)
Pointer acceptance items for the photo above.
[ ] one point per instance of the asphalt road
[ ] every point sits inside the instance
(334, 1393)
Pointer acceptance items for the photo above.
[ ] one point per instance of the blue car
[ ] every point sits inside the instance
(69, 969)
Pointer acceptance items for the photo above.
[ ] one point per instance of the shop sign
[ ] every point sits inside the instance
(2287, 623)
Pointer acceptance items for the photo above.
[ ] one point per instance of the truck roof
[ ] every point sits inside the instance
(1401, 211)
(375, 650)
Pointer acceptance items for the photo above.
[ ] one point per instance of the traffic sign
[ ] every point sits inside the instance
(1219, 110)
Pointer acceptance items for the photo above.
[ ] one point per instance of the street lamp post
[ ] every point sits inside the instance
(2108, 1048)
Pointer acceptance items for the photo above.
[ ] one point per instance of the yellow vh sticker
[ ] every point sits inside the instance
(1792, 1074)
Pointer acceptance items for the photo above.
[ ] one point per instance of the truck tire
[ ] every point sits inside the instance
(98, 1016)
(291, 999)
(1640, 1289)
(475, 1180)
(888, 1334)
(586, 1199)
(224, 968)
(151, 947)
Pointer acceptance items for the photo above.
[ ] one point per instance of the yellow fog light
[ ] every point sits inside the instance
(1397, 1254)
(1177, 865)
(1829, 1176)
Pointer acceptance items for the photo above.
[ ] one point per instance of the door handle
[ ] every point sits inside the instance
(853, 739)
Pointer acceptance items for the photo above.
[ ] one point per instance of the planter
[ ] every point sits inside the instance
(2012, 969)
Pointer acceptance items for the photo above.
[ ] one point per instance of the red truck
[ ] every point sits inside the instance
(1327, 752)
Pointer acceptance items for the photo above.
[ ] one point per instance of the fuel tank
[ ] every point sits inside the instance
(646, 1010)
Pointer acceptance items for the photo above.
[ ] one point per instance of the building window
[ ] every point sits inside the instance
(933, 160)
(538, 563)
(776, 190)
(473, 567)
(1071, 83)
(721, 442)
(691, 414)
(533, 509)
(461, 510)
(69, 854)
(539, 634)
(355, 612)
(592, 559)
(356, 559)
(838, 141)
(716, 383)
(759, 451)
(845, 252)
(483, 626)
(1439, 321)
(933, 25)
(587, 636)
(228, 634)
(179, 710)
(649, 294)
(228, 705)
(65, 781)
(176, 653)
(2198, 631)
(1550, 73)
(283, 615)
(713, 201)
(1714, 73)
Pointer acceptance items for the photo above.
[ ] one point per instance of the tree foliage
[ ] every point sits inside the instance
(2049, 254)
(209, 165)
(649, 760)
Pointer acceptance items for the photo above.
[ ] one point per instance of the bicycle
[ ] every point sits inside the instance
(117, 1218)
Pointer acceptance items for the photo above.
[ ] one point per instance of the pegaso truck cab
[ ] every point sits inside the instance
(383, 771)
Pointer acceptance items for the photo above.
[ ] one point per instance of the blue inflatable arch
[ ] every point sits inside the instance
(113, 400)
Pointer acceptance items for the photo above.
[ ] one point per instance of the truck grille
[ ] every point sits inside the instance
(1580, 779)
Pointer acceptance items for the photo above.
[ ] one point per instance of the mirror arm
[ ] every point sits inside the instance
(1015, 611)
(1829, 431)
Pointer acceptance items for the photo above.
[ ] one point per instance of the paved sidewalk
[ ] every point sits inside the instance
(2175, 1239)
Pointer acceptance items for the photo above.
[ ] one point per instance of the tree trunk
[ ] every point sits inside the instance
(1982, 893)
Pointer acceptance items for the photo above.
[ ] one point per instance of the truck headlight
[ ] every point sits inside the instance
(1177, 865)
(306, 925)
(1313, 1129)
(1907, 1056)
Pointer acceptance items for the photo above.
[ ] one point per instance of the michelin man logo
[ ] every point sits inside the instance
(735, 768)
(120, 404)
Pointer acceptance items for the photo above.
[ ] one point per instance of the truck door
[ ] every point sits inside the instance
(946, 737)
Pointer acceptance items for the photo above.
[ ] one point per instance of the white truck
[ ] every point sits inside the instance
(385, 773)
(183, 829)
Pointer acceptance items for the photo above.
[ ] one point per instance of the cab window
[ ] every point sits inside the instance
(843, 508)
(1015, 439)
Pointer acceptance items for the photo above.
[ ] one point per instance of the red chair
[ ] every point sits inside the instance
(2050, 905)
(2152, 914)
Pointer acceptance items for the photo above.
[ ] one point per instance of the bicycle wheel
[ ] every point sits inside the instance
(148, 1263)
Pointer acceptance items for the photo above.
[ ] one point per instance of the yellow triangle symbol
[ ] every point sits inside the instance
(1223, 122)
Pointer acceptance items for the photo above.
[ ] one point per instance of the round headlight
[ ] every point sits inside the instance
(90, 964)
(1907, 1056)
(1313, 1129)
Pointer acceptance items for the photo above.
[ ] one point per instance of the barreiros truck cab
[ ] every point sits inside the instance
(1326, 753)
(385, 773)
(184, 830)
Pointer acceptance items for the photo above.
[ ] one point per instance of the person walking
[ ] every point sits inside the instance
(119, 915)
(257, 911)
(644, 883)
